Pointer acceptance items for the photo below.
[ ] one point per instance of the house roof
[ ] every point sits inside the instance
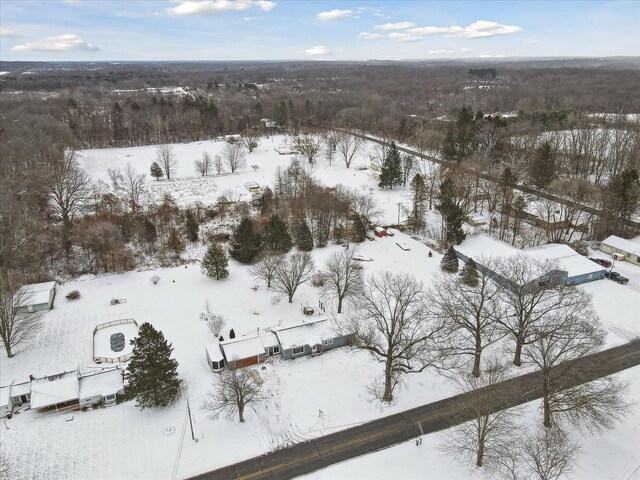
(622, 244)
(214, 352)
(572, 262)
(37, 293)
(20, 389)
(4, 395)
(248, 346)
(45, 392)
(311, 333)
(103, 383)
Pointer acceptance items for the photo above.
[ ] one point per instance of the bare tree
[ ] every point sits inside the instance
(250, 140)
(485, 438)
(549, 454)
(236, 390)
(575, 333)
(291, 272)
(390, 321)
(215, 323)
(69, 187)
(130, 184)
(309, 145)
(234, 155)
(266, 268)
(348, 148)
(471, 313)
(532, 298)
(204, 164)
(16, 325)
(218, 164)
(342, 277)
(331, 142)
(167, 159)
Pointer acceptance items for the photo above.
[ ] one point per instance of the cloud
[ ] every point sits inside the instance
(58, 43)
(211, 7)
(440, 52)
(381, 15)
(370, 36)
(6, 33)
(395, 26)
(333, 15)
(403, 37)
(479, 29)
(315, 51)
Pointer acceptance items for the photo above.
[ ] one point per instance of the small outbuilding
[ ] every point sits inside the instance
(476, 220)
(622, 248)
(380, 232)
(38, 297)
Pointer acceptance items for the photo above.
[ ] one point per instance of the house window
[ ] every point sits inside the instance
(275, 350)
(327, 342)
(297, 350)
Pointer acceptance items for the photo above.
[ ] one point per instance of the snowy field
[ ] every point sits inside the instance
(122, 442)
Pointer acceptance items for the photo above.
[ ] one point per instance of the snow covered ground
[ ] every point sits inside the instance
(307, 397)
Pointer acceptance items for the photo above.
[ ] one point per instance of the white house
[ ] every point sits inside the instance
(59, 391)
(623, 248)
(101, 386)
(215, 359)
(6, 407)
(38, 297)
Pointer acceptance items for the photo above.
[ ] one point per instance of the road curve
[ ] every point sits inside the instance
(306, 457)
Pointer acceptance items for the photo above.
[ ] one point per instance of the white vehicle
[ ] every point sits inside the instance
(362, 258)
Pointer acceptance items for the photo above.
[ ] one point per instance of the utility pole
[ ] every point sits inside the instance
(399, 213)
(190, 422)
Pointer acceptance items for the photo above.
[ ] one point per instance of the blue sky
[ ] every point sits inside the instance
(95, 30)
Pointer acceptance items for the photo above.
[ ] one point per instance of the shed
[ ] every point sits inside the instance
(253, 187)
(215, 358)
(38, 297)
(630, 250)
(6, 406)
(310, 338)
(101, 386)
(60, 390)
(380, 232)
(476, 220)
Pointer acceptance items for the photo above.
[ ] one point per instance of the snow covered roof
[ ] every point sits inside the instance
(37, 293)
(20, 389)
(311, 333)
(102, 383)
(379, 229)
(568, 259)
(4, 395)
(214, 352)
(249, 346)
(45, 392)
(622, 244)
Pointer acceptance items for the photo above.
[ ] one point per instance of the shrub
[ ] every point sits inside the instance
(73, 295)
(155, 279)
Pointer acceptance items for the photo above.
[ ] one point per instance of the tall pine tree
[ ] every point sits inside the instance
(215, 263)
(358, 230)
(449, 262)
(191, 226)
(543, 167)
(152, 373)
(304, 239)
(246, 243)
(418, 202)
(156, 171)
(469, 273)
(276, 236)
(391, 170)
(452, 214)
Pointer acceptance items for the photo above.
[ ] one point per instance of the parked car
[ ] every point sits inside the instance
(403, 246)
(601, 261)
(370, 236)
(390, 233)
(616, 277)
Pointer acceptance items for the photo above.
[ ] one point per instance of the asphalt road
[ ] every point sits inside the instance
(321, 452)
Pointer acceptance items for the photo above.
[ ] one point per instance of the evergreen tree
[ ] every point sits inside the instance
(245, 245)
(469, 273)
(359, 232)
(191, 226)
(156, 171)
(232, 334)
(152, 373)
(304, 239)
(215, 263)
(543, 167)
(452, 214)
(449, 150)
(391, 170)
(418, 202)
(265, 202)
(449, 262)
(221, 338)
(175, 241)
(276, 236)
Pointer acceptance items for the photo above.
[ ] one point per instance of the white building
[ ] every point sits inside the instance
(622, 248)
(38, 297)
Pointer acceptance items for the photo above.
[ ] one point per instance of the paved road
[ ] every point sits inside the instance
(323, 451)
(491, 178)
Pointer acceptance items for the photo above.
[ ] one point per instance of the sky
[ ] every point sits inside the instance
(101, 30)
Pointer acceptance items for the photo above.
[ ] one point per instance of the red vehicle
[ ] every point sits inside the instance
(380, 232)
